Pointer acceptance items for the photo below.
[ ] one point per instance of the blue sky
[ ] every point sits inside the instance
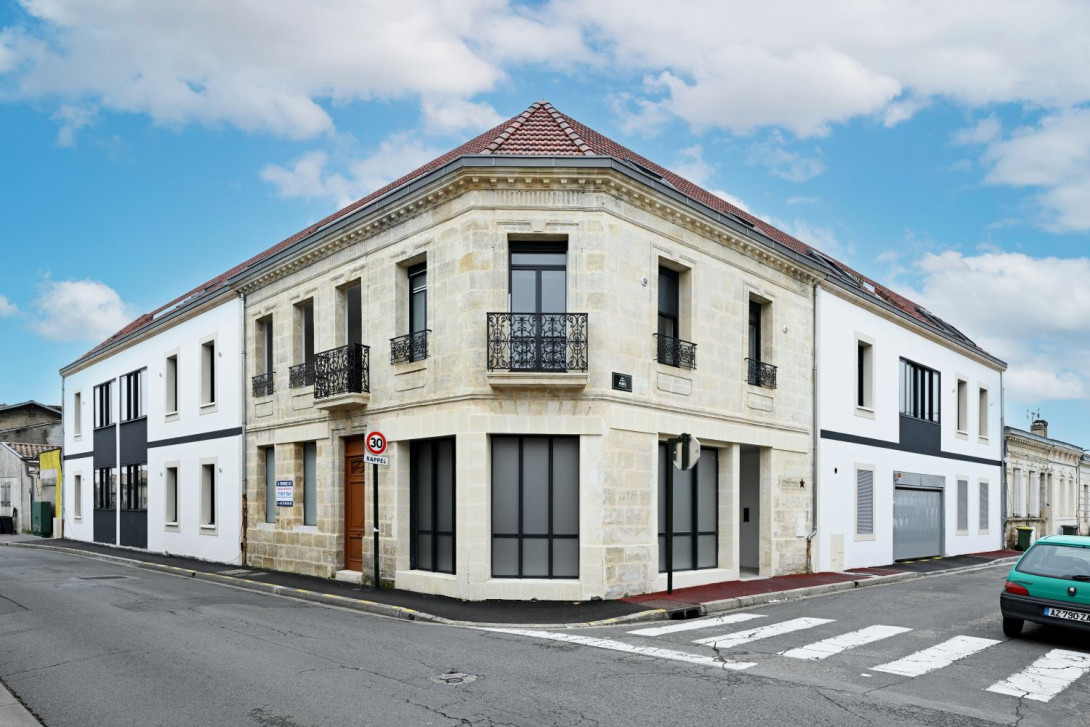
(942, 148)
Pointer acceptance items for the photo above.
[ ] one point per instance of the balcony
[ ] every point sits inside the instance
(759, 373)
(342, 377)
(410, 347)
(301, 375)
(263, 384)
(675, 352)
(538, 349)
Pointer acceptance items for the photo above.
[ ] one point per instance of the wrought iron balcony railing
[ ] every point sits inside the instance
(759, 373)
(301, 375)
(343, 370)
(551, 342)
(675, 352)
(410, 347)
(263, 384)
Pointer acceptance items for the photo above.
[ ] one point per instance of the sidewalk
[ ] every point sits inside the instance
(12, 711)
(682, 603)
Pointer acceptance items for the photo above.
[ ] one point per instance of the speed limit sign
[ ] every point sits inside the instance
(376, 443)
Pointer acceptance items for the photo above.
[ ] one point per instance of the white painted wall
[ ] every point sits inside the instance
(840, 321)
(223, 322)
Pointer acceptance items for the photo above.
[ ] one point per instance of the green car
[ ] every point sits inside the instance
(1050, 584)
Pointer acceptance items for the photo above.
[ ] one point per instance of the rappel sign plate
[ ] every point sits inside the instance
(687, 452)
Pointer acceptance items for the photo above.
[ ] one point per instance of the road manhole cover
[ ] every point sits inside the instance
(454, 677)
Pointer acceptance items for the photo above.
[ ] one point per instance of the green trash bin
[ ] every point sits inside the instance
(1024, 534)
(1069, 530)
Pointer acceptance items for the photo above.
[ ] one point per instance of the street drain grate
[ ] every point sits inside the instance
(454, 677)
(104, 578)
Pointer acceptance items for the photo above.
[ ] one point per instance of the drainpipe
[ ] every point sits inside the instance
(814, 453)
(242, 416)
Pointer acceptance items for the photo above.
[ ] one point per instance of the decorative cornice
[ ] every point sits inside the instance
(469, 180)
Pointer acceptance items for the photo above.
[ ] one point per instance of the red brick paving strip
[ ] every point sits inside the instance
(733, 589)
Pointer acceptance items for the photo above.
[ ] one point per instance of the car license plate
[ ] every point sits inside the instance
(1069, 615)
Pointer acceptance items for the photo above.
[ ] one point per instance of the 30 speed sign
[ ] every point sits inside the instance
(376, 443)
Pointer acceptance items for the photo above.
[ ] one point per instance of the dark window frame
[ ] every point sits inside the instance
(133, 395)
(694, 531)
(105, 492)
(433, 530)
(921, 392)
(550, 535)
(133, 488)
(103, 399)
(753, 339)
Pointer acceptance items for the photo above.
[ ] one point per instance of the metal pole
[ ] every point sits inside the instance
(374, 508)
(670, 444)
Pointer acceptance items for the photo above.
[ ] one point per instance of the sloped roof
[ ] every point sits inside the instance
(29, 451)
(52, 409)
(541, 130)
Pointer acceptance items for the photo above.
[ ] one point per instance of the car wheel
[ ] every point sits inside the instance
(1012, 627)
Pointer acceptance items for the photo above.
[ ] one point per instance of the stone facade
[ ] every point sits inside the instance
(617, 237)
(1046, 483)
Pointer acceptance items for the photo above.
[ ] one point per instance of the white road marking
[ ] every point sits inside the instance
(1045, 678)
(937, 656)
(612, 645)
(763, 632)
(829, 647)
(700, 623)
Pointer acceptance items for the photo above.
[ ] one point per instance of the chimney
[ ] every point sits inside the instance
(1039, 427)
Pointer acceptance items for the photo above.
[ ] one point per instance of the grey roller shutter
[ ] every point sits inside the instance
(668, 292)
(963, 504)
(983, 505)
(864, 502)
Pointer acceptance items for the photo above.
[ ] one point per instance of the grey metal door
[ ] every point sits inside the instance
(917, 523)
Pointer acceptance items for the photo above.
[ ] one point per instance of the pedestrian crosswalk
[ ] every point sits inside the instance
(1047, 677)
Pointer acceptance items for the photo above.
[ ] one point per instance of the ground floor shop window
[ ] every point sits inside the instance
(431, 484)
(134, 487)
(105, 488)
(696, 512)
(535, 507)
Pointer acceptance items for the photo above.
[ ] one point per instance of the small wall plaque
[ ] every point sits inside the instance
(622, 382)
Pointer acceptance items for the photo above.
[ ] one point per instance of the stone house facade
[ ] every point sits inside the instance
(1046, 483)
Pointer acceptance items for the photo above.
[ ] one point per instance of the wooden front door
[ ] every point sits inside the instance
(355, 496)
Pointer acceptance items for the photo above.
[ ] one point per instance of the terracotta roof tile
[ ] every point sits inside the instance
(541, 130)
(30, 451)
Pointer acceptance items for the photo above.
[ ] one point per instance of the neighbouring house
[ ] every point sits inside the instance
(50, 480)
(31, 423)
(19, 484)
(909, 421)
(528, 319)
(1047, 483)
(153, 432)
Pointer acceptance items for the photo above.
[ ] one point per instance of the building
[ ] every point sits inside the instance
(31, 423)
(50, 474)
(528, 319)
(909, 418)
(19, 483)
(1046, 483)
(153, 432)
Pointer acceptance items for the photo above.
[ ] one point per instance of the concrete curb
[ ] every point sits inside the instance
(331, 599)
(797, 594)
(408, 614)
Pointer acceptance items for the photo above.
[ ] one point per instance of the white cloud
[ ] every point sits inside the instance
(732, 199)
(1054, 157)
(454, 115)
(1029, 311)
(789, 165)
(7, 308)
(72, 119)
(270, 67)
(79, 310)
(984, 131)
(803, 200)
(315, 176)
(692, 166)
(822, 238)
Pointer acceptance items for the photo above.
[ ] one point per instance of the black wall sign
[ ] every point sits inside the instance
(622, 382)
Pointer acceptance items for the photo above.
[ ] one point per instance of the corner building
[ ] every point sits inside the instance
(527, 319)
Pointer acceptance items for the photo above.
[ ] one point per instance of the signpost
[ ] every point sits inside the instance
(684, 458)
(376, 446)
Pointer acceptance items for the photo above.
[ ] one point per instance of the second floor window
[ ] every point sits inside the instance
(103, 400)
(208, 373)
(919, 391)
(418, 307)
(134, 395)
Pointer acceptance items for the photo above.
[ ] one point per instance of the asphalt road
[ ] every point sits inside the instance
(89, 643)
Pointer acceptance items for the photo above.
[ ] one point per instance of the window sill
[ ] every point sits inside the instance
(209, 407)
(209, 529)
(961, 435)
(77, 518)
(407, 367)
(265, 526)
(864, 538)
(983, 532)
(172, 527)
(961, 532)
(77, 437)
(864, 411)
(534, 379)
(305, 529)
(981, 440)
(171, 416)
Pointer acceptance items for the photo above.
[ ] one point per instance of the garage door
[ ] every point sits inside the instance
(917, 523)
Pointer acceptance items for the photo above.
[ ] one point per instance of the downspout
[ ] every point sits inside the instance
(243, 514)
(1003, 466)
(814, 427)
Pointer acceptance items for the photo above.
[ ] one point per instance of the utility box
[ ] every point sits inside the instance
(41, 519)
